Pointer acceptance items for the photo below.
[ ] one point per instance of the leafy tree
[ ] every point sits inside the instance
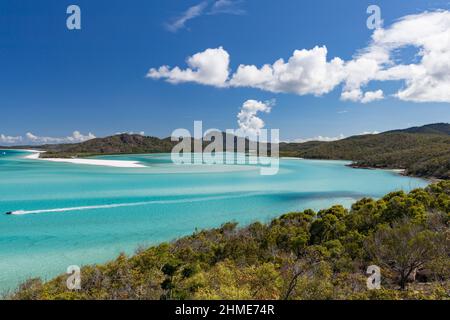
(330, 224)
(404, 249)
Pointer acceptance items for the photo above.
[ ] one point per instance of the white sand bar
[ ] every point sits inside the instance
(34, 155)
(95, 162)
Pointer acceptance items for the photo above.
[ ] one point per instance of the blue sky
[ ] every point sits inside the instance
(54, 81)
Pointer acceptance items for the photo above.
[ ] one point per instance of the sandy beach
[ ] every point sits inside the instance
(34, 155)
(95, 162)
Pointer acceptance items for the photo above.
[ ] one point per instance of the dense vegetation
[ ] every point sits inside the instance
(300, 255)
(421, 151)
(128, 144)
(118, 144)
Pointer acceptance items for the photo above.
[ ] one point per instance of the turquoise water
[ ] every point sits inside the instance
(102, 211)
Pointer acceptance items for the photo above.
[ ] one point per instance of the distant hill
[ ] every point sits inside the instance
(118, 144)
(435, 128)
(421, 151)
(121, 144)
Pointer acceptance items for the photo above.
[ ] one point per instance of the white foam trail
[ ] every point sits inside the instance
(132, 204)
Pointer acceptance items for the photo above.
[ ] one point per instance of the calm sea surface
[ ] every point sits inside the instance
(89, 214)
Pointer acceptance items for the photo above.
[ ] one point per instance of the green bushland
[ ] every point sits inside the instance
(300, 255)
(421, 151)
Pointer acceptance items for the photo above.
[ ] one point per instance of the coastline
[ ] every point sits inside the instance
(95, 162)
(35, 155)
(164, 255)
(402, 172)
(395, 170)
(130, 211)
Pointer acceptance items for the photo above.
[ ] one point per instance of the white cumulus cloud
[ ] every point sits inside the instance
(364, 97)
(209, 67)
(368, 132)
(330, 139)
(425, 81)
(74, 138)
(31, 138)
(4, 139)
(310, 71)
(306, 72)
(249, 123)
(320, 138)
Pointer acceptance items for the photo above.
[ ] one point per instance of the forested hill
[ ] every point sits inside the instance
(421, 151)
(436, 128)
(123, 144)
(118, 144)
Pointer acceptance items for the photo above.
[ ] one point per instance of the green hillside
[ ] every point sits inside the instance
(299, 256)
(422, 151)
(118, 144)
(121, 144)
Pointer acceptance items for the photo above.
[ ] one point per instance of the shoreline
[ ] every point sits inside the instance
(35, 155)
(402, 172)
(191, 235)
(396, 170)
(95, 162)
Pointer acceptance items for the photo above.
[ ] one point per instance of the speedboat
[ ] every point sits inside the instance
(9, 212)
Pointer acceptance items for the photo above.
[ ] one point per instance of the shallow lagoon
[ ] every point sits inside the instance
(89, 214)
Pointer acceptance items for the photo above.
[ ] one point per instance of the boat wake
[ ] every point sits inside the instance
(133, 204)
